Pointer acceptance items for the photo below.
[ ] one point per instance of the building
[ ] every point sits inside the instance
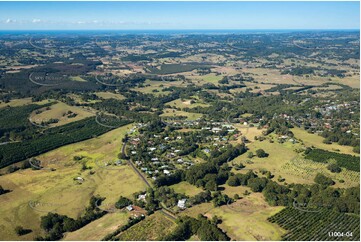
(130, 208)
(182, 203)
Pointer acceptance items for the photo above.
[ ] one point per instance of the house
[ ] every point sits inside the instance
(216, 130)
(142, 196)
(134, 152)
(182, 203)
(166, 172)
(206, 150)
(152, 148)
(130, 208)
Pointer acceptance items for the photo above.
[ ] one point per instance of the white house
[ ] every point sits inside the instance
(182, 203)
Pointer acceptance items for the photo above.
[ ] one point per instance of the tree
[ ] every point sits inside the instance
(250, 155)
(334, 168)
(257, 184)
(323, 180)
(211, 185)
(122, 202)
(261, 153)
(19, 230)
(233, 181)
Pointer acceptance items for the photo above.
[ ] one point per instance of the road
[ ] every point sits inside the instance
(164, 210)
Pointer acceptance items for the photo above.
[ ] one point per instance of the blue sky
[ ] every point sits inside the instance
(179, 15)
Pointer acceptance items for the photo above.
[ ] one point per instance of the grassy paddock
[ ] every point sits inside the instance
(99, 228)
(56, 191)
(186, 188)
(57, 111)
(317, 141)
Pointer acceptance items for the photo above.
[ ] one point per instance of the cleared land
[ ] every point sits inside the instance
(245, 219)
(62, 112)
(317, 141)
(56, 191)
(108, 95)
(179, 103)
(186, 188)
(99, 228)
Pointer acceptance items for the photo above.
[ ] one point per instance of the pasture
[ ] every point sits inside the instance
(99, 228)
(245, 219)
(186, 188)
(179, 103)
(317, 141)
(56, 191)
(60, 111)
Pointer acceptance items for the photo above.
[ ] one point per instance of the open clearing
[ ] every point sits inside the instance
(284, 161)
(317, 141)
(186, 188)
(60, 111)
(179, 103)
(56, 191)
(99, 228)
(245, 219)
(108, 95)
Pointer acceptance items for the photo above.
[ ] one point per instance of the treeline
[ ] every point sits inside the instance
(349, 162)
(55, 225)
(202, 227)
(50, 139)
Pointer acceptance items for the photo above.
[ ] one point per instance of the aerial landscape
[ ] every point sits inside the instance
(177, 133)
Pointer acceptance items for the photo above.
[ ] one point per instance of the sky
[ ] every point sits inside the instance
(178, 15)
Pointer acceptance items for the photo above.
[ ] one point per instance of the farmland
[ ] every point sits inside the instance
(179, 136)
(56, 190)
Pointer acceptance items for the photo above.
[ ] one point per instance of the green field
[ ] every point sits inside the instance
(246, 219)
(317, 141)
(179, 103)
(58, 111)
(186, 188)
